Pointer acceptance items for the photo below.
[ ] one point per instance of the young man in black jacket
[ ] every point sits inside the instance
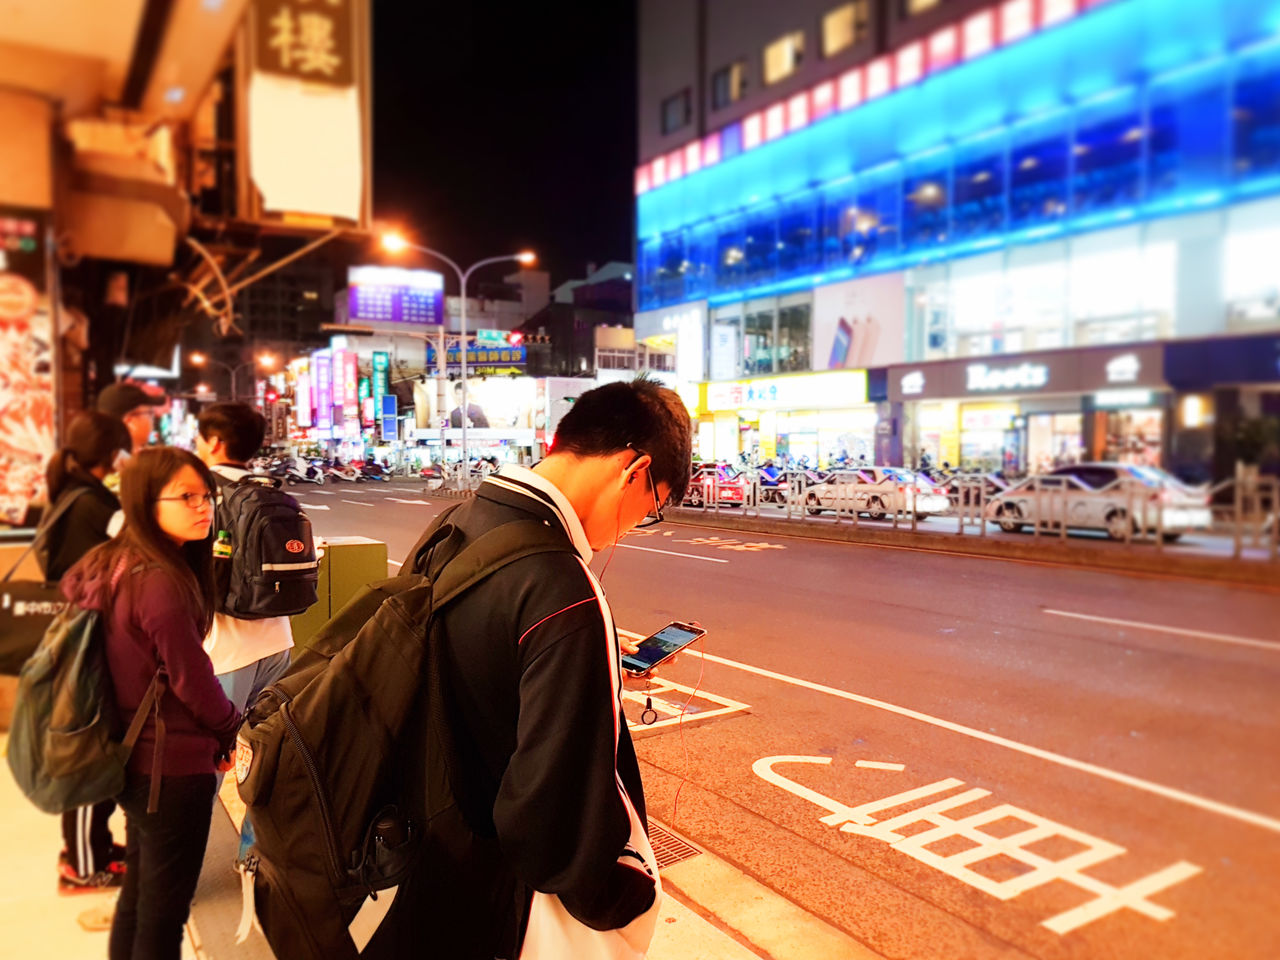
(554, 860)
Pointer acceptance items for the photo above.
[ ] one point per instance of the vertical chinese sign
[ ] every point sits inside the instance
(26, 360)
(307, 108)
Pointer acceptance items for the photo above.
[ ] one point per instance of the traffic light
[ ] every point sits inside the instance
(515, 338)
(271, 395)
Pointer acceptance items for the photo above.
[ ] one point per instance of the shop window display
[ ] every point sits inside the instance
(1132, 436)
(795, 337)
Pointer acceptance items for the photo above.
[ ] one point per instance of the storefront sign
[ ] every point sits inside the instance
(809, 391)
(1060, 372)
(302, 399)
(338, 379)
(658, 323)
(1025, 376)
(1114, 399)
(322, 366)
(350, 388)
(389, 413)
(479, 356)
(912, 384)
(381, 366)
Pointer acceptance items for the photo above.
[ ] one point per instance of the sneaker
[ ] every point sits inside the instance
(70, 882)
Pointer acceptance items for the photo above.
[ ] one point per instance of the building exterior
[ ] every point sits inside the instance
(1018, 215)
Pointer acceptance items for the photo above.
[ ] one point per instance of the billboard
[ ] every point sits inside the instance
(480, 356)
(395, 295)
(859, 323)
(498, 404)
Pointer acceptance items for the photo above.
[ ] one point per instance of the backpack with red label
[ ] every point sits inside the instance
(273, 563)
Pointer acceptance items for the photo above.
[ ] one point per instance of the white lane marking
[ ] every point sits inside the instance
(406, 489)
(672, 553)
(321, 493)
(358, 503)
(396, 563)
(312, 506)
(425, 503)
(1178, 631)
(1169, 793)
(880, 765)
(981, 846)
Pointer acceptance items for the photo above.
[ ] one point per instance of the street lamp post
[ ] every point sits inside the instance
(395, 243)
(266, 360)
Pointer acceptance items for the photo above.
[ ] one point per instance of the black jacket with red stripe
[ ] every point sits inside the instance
(530, 667)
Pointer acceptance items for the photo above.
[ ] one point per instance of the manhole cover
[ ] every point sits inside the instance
(667, 847)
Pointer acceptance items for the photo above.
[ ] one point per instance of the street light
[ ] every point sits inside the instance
(397, 243)
(265, 360)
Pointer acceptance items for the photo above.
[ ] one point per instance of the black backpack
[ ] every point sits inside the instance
(338, 807)
(274, 568)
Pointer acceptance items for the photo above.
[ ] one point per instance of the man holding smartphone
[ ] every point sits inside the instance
(554, 860)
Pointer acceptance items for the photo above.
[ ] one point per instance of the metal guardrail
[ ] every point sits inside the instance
(1244, 511)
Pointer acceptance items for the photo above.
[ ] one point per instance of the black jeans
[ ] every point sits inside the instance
(165, 853)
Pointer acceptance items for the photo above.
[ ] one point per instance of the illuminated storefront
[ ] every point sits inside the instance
(816, 416)
(1034, 412)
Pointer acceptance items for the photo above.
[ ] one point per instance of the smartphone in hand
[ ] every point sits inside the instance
(661, 646)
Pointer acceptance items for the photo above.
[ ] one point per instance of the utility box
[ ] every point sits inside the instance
(348, 564)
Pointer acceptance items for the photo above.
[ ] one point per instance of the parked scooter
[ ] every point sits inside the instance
(302, 472)
(773, 484)
(336, 470)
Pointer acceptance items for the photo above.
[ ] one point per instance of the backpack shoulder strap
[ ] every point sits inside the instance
(492, 551)
(46, 524)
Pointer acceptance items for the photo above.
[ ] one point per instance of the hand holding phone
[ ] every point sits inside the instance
(661, 646)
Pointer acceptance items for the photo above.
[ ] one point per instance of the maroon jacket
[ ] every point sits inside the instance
(148, 622)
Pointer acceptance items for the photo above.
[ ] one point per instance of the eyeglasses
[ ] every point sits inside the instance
(194, 501)
(655, 517)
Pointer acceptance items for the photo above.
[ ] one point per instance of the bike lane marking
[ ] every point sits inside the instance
(675, 712)
(975, 839)
(1176, 631)
(1169, 793)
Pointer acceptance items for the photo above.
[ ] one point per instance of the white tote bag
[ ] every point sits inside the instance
(553, 933)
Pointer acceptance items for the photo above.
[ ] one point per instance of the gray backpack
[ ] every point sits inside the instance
(64, 745)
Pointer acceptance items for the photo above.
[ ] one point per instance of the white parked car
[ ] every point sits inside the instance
(1120, 498)
(877, 492)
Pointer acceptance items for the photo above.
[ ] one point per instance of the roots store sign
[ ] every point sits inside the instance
(26, 361)
(1097, 370)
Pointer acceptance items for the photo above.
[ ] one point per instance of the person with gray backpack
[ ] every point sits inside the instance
(265, 564)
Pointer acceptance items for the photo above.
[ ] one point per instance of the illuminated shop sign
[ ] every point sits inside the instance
(912, 383)
(1025, 376)
(1124, 368)
(813, 391)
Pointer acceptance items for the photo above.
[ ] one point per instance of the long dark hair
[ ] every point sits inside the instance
(93, 440)
(142, 541)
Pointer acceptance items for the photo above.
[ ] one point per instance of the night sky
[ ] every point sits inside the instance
(505, 126)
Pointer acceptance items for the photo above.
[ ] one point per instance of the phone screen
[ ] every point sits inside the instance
(666, 642)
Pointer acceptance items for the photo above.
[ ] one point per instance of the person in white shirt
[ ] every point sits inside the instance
(248, 655)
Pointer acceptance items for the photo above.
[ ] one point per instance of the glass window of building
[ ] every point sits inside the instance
(1256, 116)
(1108, 151)
(1251, 283)
(799, 237)
(676, 111)
(760, 245)
(978, 304)
(1038, 164)
(730, 254)
(1189, 120)
(795, 335)
(843, 26)
(758, 337)
(1121, 288)
(978, 188)
(877, 219)
(724, 352)
(728, 84)
(783, 56)
(1036, 292)
(926, 207)
(913, 7)
(839, 217)
(671, 267)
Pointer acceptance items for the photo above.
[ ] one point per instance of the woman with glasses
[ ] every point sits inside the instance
(153, 584)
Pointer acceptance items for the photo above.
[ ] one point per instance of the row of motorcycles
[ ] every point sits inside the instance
(291, 470)
(775, 481)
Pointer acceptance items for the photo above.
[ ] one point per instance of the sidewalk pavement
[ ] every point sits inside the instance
(712, 911)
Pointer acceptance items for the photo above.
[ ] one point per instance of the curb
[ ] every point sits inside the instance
(1135, 559)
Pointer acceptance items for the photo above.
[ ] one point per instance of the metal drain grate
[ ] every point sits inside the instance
(667, 847)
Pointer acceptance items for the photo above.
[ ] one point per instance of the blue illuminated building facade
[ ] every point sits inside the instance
(1108, 175)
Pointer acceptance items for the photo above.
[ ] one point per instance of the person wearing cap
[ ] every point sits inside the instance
(135, 407)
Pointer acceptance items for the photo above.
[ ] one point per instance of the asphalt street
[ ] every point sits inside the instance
(949, 756)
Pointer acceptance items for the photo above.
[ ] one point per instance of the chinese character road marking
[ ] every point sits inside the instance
(982, 845)
(674, 710)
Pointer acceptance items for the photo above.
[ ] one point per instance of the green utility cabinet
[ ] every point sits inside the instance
(347, 565)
